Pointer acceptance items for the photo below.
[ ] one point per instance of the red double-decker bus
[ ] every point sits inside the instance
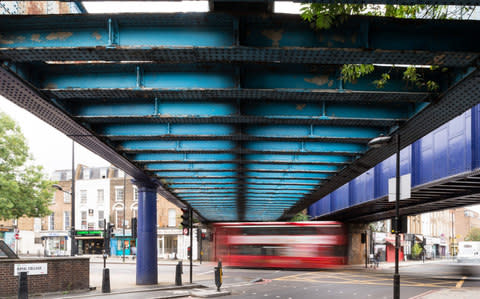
(281, 244)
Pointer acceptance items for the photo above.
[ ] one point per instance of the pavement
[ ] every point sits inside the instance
(165, 289)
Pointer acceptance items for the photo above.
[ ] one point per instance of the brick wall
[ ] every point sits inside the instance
(64, 274)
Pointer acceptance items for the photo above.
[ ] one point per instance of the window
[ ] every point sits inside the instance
(66, 220)
(100, 197)
(134, 210)
(118, 193)
(52, 200)
(86, 174)
(172, 217)
(101, 217)
(51, 222)
(135, 193)
(83, 196)
(91, 225)
(118, 215)
(67, 197)
(84, 219)
(37, 224)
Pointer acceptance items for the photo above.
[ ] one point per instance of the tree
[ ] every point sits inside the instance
(473, 235)
(416, 251)
(24, 190)
(324, 16)
(300, 216)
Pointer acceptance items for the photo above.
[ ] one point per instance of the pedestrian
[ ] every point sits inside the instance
(377, 259)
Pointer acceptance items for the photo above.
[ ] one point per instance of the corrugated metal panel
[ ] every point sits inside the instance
(444, 152)
(361, 189)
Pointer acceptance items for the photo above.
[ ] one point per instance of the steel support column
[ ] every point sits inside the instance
(147, 234)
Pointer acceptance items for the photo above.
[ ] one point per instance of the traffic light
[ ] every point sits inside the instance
(189, 251)
(134, 227)
(186, 218)
(402, 225)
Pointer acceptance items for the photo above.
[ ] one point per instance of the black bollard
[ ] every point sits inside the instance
(23, 286)
(106, 281)
(178, 274)
(218, 276)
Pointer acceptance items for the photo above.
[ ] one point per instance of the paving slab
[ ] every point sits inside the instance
(209, 293)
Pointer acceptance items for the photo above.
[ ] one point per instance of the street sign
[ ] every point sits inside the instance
(185, 231)
(405, 187)
(31, 269)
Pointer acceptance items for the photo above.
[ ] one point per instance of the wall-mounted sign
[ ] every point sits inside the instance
(89, 232)
(31, 269)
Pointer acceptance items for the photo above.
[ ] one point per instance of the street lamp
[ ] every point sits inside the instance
(376, 143)
(72, 196)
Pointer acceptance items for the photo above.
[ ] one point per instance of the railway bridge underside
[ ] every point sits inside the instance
(240, 117)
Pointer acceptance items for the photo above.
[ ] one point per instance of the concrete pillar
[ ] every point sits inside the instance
(356, 250)
(147, 272)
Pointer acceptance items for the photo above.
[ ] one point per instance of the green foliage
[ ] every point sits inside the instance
(416, 251)
(324, 16)
(300, 216)
(24, 190)
(473, 235)
(351, 72)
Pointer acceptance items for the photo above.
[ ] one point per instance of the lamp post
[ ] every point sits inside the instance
(376, 143)
(72, 196)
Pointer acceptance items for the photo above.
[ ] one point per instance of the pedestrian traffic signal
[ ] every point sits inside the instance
(186, 218)
(189, 251)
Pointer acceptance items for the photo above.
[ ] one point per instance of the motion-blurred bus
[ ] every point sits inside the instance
(299, 245)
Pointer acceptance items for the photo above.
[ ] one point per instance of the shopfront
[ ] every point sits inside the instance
(120, 242)
(89, 241)
(55, 243)
(168, 243)
(390, 248)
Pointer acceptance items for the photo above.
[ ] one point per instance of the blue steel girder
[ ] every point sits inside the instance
(182, 98)
(218, 37)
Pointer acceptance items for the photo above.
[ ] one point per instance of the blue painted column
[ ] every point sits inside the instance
(147, 272)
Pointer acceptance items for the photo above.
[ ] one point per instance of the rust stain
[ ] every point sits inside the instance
(96, 35)
(36, 8)
(338, 38)
(5, 41)
(318, 80)
(330, 83)
(36, 38)
(59, 35)
(300, 106)
(274, 35)
(439, 59)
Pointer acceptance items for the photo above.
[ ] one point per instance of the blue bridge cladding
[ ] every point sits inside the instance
(451, 149)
